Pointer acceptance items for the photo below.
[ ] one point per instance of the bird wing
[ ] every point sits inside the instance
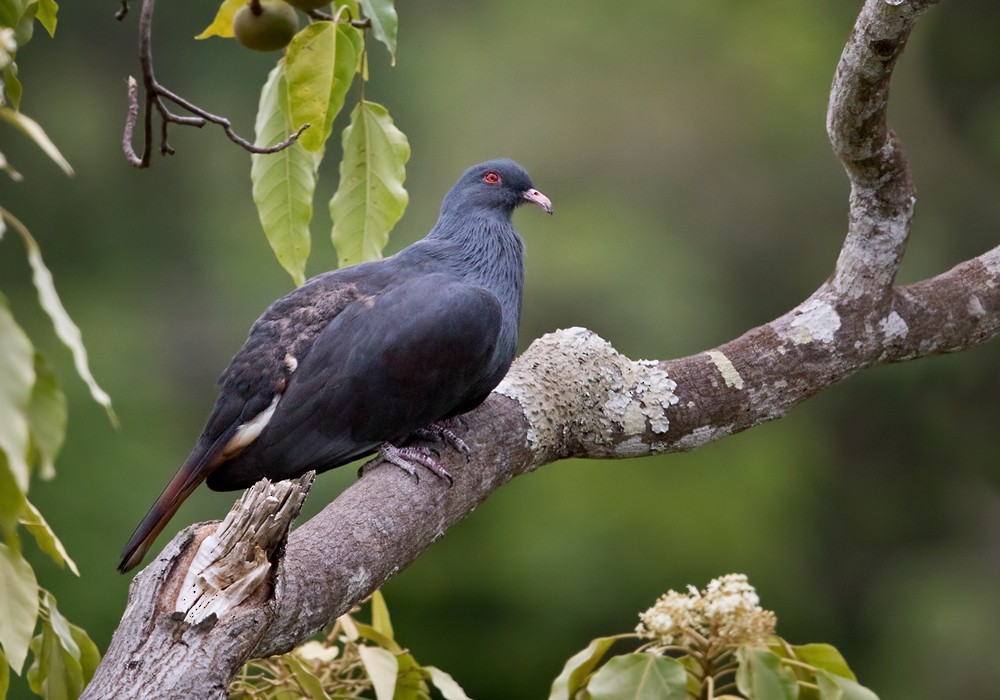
(384, 367)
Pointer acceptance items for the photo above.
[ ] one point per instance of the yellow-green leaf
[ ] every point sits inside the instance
(66, 330)
(47, 10)
(320, 64)
(283, 182)
(370, 198)
(56, 672)
(382, 668)
(47, 416)
(385, 22)
(761, 676)
(4, 675)
(578, 667)
(17, 376)
(11, 502)
(18, 605)
(46, 538)
(835, 687)
(222, 25)
(35, 132)
(380, 615)
(307, 680)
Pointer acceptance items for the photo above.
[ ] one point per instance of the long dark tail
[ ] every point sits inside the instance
(198, 466)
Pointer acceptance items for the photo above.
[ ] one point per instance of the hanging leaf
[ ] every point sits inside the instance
(382, 669)
(762, 677)
(578, 668)
(47, 415)
(380, 615)
(370, 198)
(64, 656)
(307, 680)
(449, 687)
(17, 376)
(385, 22)
(18, 605)
(5, 675)
(11, 501)
(46, 538)
(320, 64)
(222, 25)
(47, 10)
(283, 182)
(35, 132)
(835, 687)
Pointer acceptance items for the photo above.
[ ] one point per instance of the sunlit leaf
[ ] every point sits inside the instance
(824, 656)
(18, 605)
(380, 615)
(320, 64)
(17, 376)
(47, 416)
(382, 668)
(222, 25)
(449, 687)
(639, 677)
(385, 22)
(35, 132)
(56, 672)
(47, 10)
(47, 541)
(370, 198)
(835, 687)
(762, 677)
(579, 666)
(283, 182)
(66, 330)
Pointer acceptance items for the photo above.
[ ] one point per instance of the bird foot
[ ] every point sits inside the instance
(407, 459)
(441, 431)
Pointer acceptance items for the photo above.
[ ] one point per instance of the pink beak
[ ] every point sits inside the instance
(538, 198)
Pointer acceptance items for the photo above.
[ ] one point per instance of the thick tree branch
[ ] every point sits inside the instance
(572, 394)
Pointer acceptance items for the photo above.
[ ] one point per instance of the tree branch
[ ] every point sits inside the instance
(572, 394)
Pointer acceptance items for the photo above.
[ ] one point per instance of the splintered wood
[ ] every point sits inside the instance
(232, 562)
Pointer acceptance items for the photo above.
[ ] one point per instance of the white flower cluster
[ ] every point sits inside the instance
(8, 46)
(727, 613)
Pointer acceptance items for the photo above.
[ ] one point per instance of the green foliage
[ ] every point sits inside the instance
(351, 660)
(65, 658)
(303, 95)
(716, 643)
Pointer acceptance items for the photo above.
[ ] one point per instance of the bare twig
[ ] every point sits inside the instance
(156, 96)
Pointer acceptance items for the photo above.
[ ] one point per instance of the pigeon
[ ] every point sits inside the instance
(358, 360)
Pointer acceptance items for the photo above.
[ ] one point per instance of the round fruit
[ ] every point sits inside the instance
(308, 5)
(270, 29)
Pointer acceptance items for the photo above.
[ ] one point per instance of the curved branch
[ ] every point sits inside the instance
(572, 394)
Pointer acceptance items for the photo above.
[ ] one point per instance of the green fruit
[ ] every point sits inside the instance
(308, 5)
(269, 30)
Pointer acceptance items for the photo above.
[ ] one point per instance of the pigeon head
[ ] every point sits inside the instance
(496, 186)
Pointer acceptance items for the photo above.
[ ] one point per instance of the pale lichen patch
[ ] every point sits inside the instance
(729, 373)
(975, 307)
(701, 436)
(893, 327)
(814, 320)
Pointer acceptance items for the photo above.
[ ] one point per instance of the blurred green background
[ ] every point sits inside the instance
(696, 196)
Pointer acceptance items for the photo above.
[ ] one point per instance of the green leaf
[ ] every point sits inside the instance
(11, 502)
(824, 656)
(57, 671)
(762, 677)
(382, 667)
(283, 182)
(311, 685)
(410, 684)
(47, 541)
(18, 605)
(12, 88)
(579, 666)
(370, 198)
(222, 25)
(449, 687)
(639, 677)
(11, 12)
(385, 22)
(35, 132)
(835, 687)
(373, 635)
(47, 10)
(66, 330)
(5, 675)
(17, 376)
(47, 416)
(380, 615)
(320, 64)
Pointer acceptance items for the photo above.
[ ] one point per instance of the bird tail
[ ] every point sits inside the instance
(194, 471)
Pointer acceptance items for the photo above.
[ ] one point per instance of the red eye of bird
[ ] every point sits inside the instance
(492, 177)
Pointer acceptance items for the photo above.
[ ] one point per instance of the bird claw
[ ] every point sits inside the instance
(442, 432)
(406, 458)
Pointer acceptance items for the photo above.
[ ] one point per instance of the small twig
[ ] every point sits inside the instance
(155, 97)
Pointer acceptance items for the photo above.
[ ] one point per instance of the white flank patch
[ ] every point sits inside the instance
(817, 320)
(893, 326)
(251, 430)
(725, 366)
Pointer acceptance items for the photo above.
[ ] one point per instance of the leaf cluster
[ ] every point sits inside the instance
(351, 660)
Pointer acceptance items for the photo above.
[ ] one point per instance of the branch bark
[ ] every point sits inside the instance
(572, 394)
